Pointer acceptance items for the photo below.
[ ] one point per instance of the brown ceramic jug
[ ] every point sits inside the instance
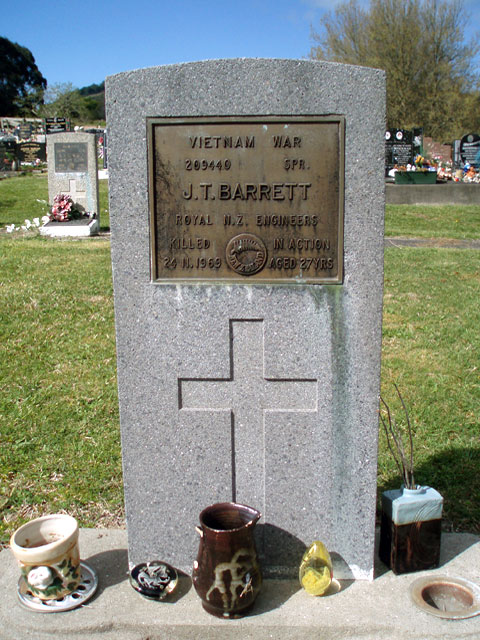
(226, 574)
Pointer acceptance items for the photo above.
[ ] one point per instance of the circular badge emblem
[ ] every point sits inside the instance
(246, 254)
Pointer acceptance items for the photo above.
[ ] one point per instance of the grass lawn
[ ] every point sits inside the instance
(59, 426)
(431, 349)
(432, 221)
(27, 197)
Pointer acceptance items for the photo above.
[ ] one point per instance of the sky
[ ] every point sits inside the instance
(83, 42)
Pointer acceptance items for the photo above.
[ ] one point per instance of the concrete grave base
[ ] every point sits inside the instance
(75, 228)
(376, 610)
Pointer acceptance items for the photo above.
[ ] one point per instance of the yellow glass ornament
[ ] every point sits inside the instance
(316, 573)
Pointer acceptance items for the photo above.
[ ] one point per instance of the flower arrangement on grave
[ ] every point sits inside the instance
(422, 164)
(419, 164)
(64, 209)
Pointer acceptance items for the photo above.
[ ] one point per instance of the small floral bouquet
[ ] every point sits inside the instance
(64, 209)
(420, 163)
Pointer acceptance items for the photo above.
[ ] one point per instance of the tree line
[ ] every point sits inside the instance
(432, 79)
(78, 105)
(24, 91)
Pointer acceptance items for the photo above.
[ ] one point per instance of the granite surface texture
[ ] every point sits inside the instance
(82, 184)
(264, 394)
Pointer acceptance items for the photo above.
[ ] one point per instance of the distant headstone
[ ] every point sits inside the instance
(25, 130)
(469, 148)
(247, 252)
(457, 158)
(56, 125)
(30, 152)
(399, 149)
(72, 169)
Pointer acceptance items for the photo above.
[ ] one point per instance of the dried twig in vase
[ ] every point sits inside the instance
(403, 462)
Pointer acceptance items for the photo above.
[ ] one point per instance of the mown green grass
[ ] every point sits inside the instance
(26, 197)
(431, 349)
(22, 197)
(58, 403)
(431, 221)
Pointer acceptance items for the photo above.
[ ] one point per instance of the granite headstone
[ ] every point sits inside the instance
(72, 169)
(246, 203)
(399, 148)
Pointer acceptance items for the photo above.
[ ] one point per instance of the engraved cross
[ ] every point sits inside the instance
(249, 396)
(72, 189)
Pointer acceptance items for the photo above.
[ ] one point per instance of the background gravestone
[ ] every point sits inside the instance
(238, 379)
(469, 148)
(30, 152)
(25, 130)
(399, 148)
(56, 125)
(72, 169)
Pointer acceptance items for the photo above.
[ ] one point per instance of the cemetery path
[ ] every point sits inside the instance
(436, 243)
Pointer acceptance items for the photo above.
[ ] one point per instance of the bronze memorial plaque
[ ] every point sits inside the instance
(247, 199)
(71, 157)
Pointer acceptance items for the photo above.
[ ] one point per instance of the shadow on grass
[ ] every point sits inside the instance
(455, 474)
